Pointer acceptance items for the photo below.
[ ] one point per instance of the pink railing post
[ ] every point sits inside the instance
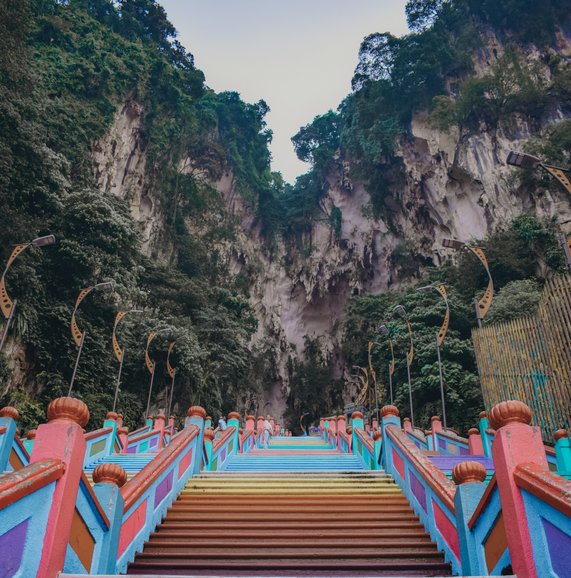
(516, 442)
(341, 427)
(159, 425)
(475, 442)
(123, 435)
(407, 424)
(61, 438)
(250, 422)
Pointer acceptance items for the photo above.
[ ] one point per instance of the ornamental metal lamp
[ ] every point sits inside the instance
(76, 333)
(440, 335)
(6, 304)
(482, 306)
(401, 312)
(151, 365)
(386, 333)
(172, 373)
(527, 161)
(120, 352)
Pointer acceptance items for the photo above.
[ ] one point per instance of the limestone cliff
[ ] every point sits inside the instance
(455, 184)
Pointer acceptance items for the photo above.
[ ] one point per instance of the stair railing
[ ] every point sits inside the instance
(51, 518)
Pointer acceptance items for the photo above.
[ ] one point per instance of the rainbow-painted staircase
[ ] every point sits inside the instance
(298, 508)
(378, 498)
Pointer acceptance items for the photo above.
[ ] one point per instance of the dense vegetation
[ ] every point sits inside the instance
(520, 258)
(431, 69)
(65, 68)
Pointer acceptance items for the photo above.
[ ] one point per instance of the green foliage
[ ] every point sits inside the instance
(511, 87)
(77, 62)
(516, 299)
(313, 388)
(519, 258)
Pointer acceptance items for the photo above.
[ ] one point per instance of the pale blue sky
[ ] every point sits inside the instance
(298, 55)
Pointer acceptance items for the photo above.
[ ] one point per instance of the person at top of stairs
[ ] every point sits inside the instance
(267, 431)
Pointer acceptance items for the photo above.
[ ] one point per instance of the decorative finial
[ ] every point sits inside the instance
(234, 415)
(468, 472)
(31, 435)
(483, 415)
(349, 430)
(473, 431)
(357, 415)
(161, 415)
(68, 409)
(208, 434)
(112, 415)
(10, 412)
(377, 435)
(435, 418)
(389, 410)
(110, 474)
(122, 431)
(512, 411)
(196, 411)
(560, 434)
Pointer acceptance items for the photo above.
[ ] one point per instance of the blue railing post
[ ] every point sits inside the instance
(108, 480)
(470, 479)
(8, 417)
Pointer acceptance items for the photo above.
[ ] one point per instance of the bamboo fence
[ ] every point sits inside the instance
(530, 359)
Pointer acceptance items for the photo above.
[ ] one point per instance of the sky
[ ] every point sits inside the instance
(297, 55)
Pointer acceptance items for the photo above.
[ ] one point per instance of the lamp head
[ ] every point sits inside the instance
(384, 330)
(522, 160)
(452, 244)
(105, 286)
(165, 331)
(136, 311)
(43, 241)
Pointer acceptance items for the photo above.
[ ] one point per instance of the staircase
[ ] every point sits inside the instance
(299, 508)
(131, 463)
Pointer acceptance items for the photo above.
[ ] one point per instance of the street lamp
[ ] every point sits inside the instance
(120, 353)
(374, 376)
(483, 305)
(401, 312)
(172, 372)
(364, 379)
(441, 289)
(151, 365)
(6, 304)
(386, 333)
(526, 161)
(76, 333)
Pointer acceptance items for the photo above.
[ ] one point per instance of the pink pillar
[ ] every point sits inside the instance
(436, 427)
(375, 424)
(250, 422)
(260, 426)
(321, 420)
(515, 442)
(123, 435)
(367, 428)
(119, 420)
(475, 442)
(61, 438)
(407, 426)
(159, 425)
(333, 425)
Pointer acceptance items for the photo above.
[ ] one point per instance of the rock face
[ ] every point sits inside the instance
(455, 185)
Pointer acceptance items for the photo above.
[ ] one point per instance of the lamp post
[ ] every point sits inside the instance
(374, 376)
(386, 332)
(400, 310)
(119, 353)
(526, 161)
(364, 379)
(440, 335)
(151, 365)
(76, 333)
(172, 372)
(483, 305)
(6, 304)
